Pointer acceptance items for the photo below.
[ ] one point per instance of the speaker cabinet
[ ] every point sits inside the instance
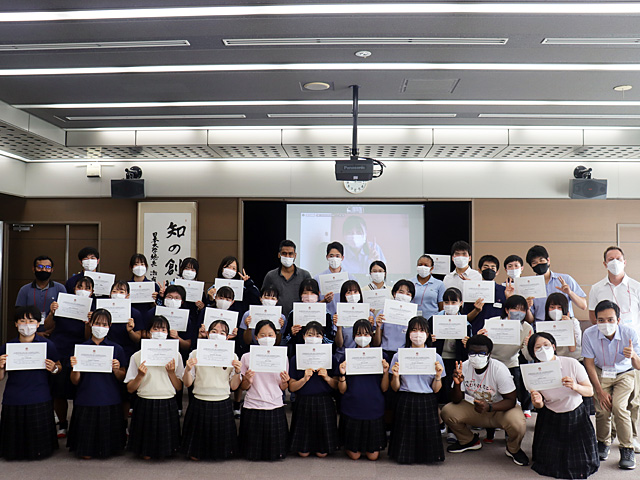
(587, 188)
(127, 188)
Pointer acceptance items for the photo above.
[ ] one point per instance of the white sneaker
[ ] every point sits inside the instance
(451, 437)
(62, 433)
(527, 413)
(636, 445)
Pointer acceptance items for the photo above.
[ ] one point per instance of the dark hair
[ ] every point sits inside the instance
(606, 305)
(460, 246)
(270, 290)
(264, 323)
(189, 262)
(226, 292)
(379, 263)
(406, 283)
(337, 246)
(42, 258)
(532, 342)
(216, 322)
(362, 326)
(513, 258)
(556, 298)
(86, 251)
(422, 323)
(489, 259)
(138, 257)
(84, 282)
(452, 294)
(101, 312)
(121, 283)
(352, 222)
(536, 251)
(179, 289)
(480, 341)
(160, 321)
(286, 243)
(30, 311)
(605, 252)
(347, 286)
(309, 284)
(313, 326)
(512, 303)
(428, 257)
(225, 262)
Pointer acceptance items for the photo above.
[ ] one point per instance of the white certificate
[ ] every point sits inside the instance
(178, 317)
(441, 264)
(472, 290)
(141, 292)
(119, 308)
(268, 359)
(193, 288)
(503, 331)
(399, 313)
(26, 356)
(73, 306)
(236, 285)
(350, 313)
(376, 298)
(157, 353)
(531, 287)
(93, 358)
(313, 356)
(452, 327)
(304, 313)
(102, 282)
(417, 361)
(364, 361)
(227, 316)
(332, 282)
(214, 353)
(562, 331)
(263, 312)
(542, 375)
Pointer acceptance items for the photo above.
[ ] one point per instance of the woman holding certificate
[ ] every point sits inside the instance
(27, 425)
(97, 429)
(228, 269)
(139, 266)
(391, 336)
(415, 437)
(557, 309)
(564, 442)
(349, 293)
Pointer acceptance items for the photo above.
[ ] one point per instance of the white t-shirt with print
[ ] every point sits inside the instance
(490, 385)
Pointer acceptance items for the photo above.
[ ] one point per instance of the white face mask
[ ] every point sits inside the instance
(217, 336)
(139, 270)
(313, 340)
(515, 273)
(267, 341)
(615, 266)
(545, 354)
(353, 297)
(172, 302)
(189, 274)
(478, 361)
(607, 329)
(89, 264)
(418, 338)
(268, 302)
(355, 241)
(159, 335)
(555, 315)
(377, 277)
(451, 309)
(403, 297)
(286, 261)
(335, 262)
(99, 332)
(230, 273)
(423, 271)
(118, 295)
(223, 304)
(363, 341)
(309, 298)
(83, 293)
(27, 329)
(460, 261)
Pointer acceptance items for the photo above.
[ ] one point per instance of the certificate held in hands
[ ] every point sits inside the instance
(193, 288)
(26, 356)
(376, 298)
(157, 353)
(472, 290)
(73, 306)
(314, 357)
(441, 264)
(227, 316)
(503, 331)
(542, 375)
(399, 313)
(303, 313)
(102, 282)
(262, 312)
(236, 285)
(350, 313)
(214, 353)
(364, 361)
(178, 317)
(450, 327)
(562, 331)
(93, 358)
(142, 292)
(531, 287)
(417, 361)
(268, 359)
(332, 282)
(119, 308)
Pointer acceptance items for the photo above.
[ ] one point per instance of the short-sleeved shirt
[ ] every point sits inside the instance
(118, 334)
(193, 324)
(393, 336)
(31, 294)
(144, 308)
(452, 279)
(489, 310)
(428, 295)
(243, 326)
(265, 392)
(626, 295)
(316, 385)
(418, 383)
(101, 389)
(332, 307)
(363, 399)
(67, 333)
(563, 399)
(609, 353)
(289, 290)
(156, 384)
(211, 384)
(28, 387)
(508, 354)
(554, 281)
(489, 385)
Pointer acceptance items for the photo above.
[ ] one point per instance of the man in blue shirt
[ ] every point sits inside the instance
(335, 255)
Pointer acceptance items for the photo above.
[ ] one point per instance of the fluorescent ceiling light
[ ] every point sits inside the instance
(279, 42)
(590, 41)
(13, 155)
(149, 117)
(362, 115)
(389, 8)
(555, 115)
(25, 47)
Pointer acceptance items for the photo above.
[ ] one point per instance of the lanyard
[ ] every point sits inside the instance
(44, 303)
(618, 303)
(604, 356)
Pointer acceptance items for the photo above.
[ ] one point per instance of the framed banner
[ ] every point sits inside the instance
(167, 233)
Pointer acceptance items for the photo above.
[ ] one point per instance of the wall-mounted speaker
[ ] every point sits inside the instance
(127, 188)
(587, 188)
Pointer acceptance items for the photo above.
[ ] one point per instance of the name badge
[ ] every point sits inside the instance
(497, 305)
(609, 372)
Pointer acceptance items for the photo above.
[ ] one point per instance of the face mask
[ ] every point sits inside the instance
(89, 264)
(515, 273)
(353, 298)
(488, 274)
(356, 241)
(517, 315)
(230, 273)
(451, 309)
(223, 304)
(335, 262)
(615, 266)
(99, 332)
(42, 275)
(312, 340)
(607, 329)
(377, 277)
(478, 361)
(402, 297)
(541, 268)
(139, 270)
(286, 261)
(159, 335)
(172, 302)
(555, 315)
(545, 353)
(83, 293)
(309, 298)
(418, 338)
(188, 274)
(423, 271)
(118, 295)
(267, 341)
(28, 329)
(217, 336)
(269, 302)
(461, 262)
(362, 341)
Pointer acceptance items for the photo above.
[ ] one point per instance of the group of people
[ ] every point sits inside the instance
(477, 383)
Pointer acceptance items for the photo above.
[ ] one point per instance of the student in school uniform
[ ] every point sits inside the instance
(461, 257)
(429, 290)
(268, 297)
(390, 336)
(335, 256)
(139, 268)
(415, 437)
(314, 423)
(230, 270)
(378, 274)
(127, 335)
(189, 269)
(361, 426)
(209, 430)
(513, 266)
(350, 292)
(97, 429)
(155, 423)
(27, 425)
(564, 441)
(557, 309)
(89, 258)
(263, 422)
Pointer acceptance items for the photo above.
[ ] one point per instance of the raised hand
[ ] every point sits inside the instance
(171, 366)
(395, 370)
(628, 351)
(564, 288)
(343, 368)
(142, 369)
(458, 377)
(244, 275)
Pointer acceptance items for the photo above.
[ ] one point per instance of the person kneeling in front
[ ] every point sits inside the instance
(484, 395)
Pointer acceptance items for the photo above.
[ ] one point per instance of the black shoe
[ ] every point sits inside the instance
(519, 458)
(627, 459)
(472, 445)
(603, 451)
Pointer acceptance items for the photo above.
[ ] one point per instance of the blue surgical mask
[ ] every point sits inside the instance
(517, 315)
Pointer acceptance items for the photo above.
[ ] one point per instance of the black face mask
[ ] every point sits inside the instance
(488, 274)
(42, 275)
(541, 268)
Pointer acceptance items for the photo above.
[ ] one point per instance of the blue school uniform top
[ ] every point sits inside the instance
(100, 389)
(118, 334)
(489, 310)
(554, 281)
(428, 295)
(144, 308)
(243, 326)
(363, 399)
(332, 307)
(418, 383)
(28, 387)
(190, 333)
(393, 336)
(67, 333)
(316, 385)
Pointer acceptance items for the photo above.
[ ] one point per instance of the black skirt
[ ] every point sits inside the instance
(314, 424)
(98, 432)
(364, 436)
(415, 437)
(209, 430)
(27, 432)
(263, 434)
(155, 428)
(564, 444)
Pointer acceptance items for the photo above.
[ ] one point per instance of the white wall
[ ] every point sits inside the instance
(12, 176)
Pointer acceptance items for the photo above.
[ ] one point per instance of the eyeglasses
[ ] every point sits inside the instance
(48, 268)
(480, 354)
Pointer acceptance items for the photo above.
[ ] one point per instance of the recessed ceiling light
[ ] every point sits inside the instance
(149, 117)
(622, 88)
(308, 41)
(556, 115)
(22, 47)
(363, 54)
(363, 115)
(316, 86)
(591, 41)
